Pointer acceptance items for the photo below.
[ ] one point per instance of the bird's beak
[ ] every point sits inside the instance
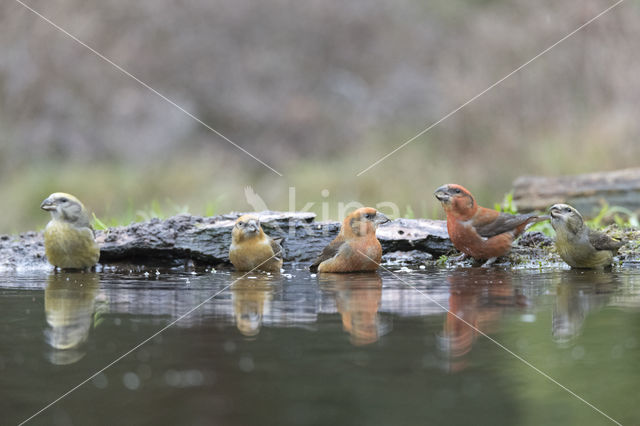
(442, 194)
(380, 219)
(48, 205)
(554, 212)
(252, 226)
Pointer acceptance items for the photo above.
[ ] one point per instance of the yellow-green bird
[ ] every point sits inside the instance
(579, 245)
(252, 249)
(69, 242)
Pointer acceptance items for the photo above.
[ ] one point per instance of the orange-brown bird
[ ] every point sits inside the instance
(252, 249)
(356, 247)
(476, 231)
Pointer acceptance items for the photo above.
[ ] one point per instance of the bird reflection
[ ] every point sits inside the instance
(358, 299)
(252, 297)
(69, 302)
(479, 297)
(577, 293)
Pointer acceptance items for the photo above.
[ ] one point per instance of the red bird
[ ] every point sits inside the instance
(356, 247)
(476, 231)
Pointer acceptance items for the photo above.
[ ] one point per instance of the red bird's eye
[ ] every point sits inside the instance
(458, 191)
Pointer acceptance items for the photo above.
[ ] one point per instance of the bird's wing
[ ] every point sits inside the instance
(503, 222)
(327, 253)
(277, 248)
(602, 241)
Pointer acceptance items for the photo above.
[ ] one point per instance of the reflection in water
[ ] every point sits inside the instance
(477, 296)
(251, 301)
(577, 293)
(204, 371)
(358, 299)
(69, 300)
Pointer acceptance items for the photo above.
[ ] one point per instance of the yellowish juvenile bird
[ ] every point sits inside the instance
(68, 238)
(252, 249)
(579, 245)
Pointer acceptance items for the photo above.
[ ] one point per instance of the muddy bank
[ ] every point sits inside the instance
(202, 241)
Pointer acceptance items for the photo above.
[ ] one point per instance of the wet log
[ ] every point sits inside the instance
(585, 192)
(206, 240)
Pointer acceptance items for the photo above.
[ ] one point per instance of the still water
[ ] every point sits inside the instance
(297, 349)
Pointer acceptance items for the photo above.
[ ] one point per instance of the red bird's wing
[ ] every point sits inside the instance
(501, 223)
(602, 241)
(327, 253)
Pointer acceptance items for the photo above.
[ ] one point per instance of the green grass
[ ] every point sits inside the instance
(154, 209)
(621, 216)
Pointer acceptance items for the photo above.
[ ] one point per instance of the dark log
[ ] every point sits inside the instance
(585, 192)
(206, 240)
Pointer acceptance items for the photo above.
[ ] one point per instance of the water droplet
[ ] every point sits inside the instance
(246, 364)
(131, 380)
(172, 377)
(229, 346)
(616, 351)
(578, 352)
(100, 381)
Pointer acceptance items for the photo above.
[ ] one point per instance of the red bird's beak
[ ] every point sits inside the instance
(442, 194)
(380, 219)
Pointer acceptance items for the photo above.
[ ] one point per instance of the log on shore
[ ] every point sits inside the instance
(206, 240)
(585, 192)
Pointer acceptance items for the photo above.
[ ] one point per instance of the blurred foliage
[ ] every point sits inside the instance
(319, 90)
(621, 216)
(507, 205)
(409, 214)
(152, 210)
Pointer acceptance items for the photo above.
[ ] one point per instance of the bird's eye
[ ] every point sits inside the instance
(240, 223)
(63, 200)
(368, 215)
(567, 209)
(458, 191)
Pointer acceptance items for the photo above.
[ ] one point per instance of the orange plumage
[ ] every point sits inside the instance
(478, 232)
(356, 247)
(252, 249)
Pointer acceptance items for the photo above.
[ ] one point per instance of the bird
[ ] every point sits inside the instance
(479, 232)
(577, 244)
(69, 241)
(252, 249)
(356, 248)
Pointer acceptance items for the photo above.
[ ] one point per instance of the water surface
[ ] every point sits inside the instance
(369, 349)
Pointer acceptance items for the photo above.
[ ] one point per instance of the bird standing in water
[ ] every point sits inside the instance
(252, 249)
(579, 245)
(356, 247)
(69, 241)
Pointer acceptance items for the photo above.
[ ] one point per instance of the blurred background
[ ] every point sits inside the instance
(317, 89)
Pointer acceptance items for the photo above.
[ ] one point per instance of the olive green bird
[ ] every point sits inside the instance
(69, 241)
(577, 244)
